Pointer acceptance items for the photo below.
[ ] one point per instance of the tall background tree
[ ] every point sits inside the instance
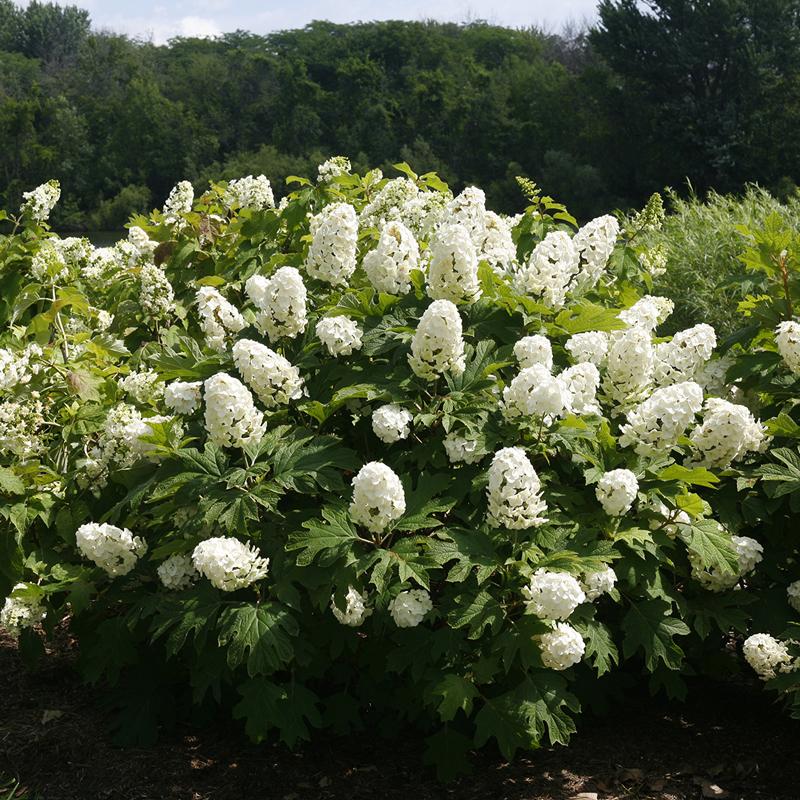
(656, 93)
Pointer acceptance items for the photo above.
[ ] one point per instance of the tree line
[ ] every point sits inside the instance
(653, 94)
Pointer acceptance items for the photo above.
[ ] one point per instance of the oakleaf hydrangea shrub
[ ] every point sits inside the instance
(376, 453)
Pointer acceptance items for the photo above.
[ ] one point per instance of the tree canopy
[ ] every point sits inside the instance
(655, 93)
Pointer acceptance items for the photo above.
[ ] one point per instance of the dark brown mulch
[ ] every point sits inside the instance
(726, 742)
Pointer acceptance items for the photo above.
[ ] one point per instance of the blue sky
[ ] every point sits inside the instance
(161, 19)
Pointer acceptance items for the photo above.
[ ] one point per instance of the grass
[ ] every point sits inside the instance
(702, 246)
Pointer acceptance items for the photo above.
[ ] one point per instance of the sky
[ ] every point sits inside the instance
(160, 20)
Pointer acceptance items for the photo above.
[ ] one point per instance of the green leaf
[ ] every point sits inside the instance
(786, 477)
(783, 425)
(10, 483)
(600, 647)
(698, 476)
(329, 541)
(712, 545)
(521, 718)
(106, 651)
(267, 706)
(260, 635)
(303, 461)
(477, 613)
(447, 752)
(648, 627)
(456, 693)
(183, 613)
(589, 317)
(469, 550)
(725, 612)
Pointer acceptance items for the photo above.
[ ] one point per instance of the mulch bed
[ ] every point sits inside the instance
(726, 742)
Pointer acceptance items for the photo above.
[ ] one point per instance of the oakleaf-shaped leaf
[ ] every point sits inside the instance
(712, 545)
(267, 706)
(456, 693)
(328, 540)
(259, 635)
(648, 627)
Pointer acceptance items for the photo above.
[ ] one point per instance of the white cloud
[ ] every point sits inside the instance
(162, 19)
(201, 27)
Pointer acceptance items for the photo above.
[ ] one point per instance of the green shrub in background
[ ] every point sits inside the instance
(698, 247)
(378, 456)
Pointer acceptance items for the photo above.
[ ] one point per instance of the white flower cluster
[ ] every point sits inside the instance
(40, 201)
(532, 350)
(591, 347)
(550, 269)
(391, 423)
(355, 611)
(460, 449)
(18, 368)
(647, 313)
(766, 655)
(228, 563)
(749, 553)
(333, 168)
(179, 202)
(596, 584)
(424, 212)
(655, 425)
(281, 303)
(553, 595)
(114, 445)
(341, 335)
(249, 192)
(183, 397)
(177, 572)
(514, 491)
(378, 497)
(410, 607)
(629, 365)
(727, 434)
(654, 260)
(18, 613)
(561, 648)
(595, 242)
(334, 235)
(793, 595)
(101, 267)
(616, 490)
(103, 319)
(274, 380)
(438, 344)
(534, 392)
(682, 358)
(389, 203)
(115, 550)
(20, 424)
(497, 247)
(581, 382)
(787, 337)
(231, 417)
(218, 317)
(156, 295)
(143, 386)
(453, 267)
(468, 209)
(48, 264)
(141, 242)
(388, 266)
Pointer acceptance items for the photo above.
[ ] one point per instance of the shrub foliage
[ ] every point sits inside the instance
(381, 456)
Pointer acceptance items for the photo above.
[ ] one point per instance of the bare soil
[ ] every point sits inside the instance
(726, 742)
